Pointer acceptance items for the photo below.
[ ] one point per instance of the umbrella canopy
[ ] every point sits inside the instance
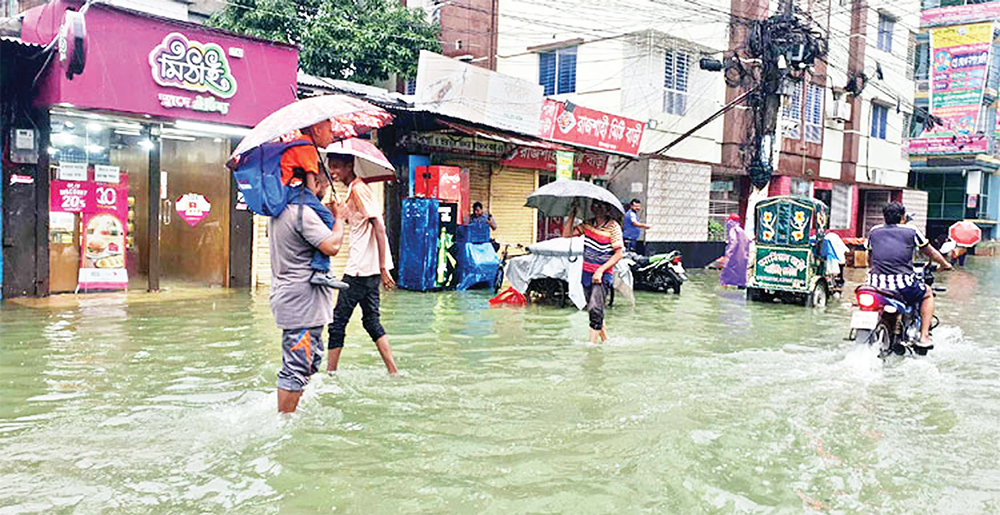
(350, 117)
(557, 198)
(370, 164)
(965, 233)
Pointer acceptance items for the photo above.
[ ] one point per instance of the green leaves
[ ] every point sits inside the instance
(364, 41)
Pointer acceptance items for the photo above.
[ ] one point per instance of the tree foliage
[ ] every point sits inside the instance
(364, 41)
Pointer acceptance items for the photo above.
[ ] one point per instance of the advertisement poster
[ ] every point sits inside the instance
(102, 261)
(69, 196)
(193, 208)
(960, 58)
(564, 165)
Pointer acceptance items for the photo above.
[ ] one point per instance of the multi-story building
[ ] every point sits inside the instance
(954, 156)
(641, 59)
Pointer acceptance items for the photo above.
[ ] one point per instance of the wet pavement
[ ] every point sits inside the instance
(699, 404)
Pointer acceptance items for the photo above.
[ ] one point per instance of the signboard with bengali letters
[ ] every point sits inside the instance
(590, 128)
(782, 268)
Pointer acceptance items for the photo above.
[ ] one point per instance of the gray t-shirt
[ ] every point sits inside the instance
(892, 248)
(294, 302)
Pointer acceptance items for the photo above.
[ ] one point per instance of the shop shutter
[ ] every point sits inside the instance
(509, 189)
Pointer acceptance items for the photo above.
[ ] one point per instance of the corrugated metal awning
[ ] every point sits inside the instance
(505, 138)
(18, 42)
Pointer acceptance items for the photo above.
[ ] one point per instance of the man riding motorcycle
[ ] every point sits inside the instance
(891, 255)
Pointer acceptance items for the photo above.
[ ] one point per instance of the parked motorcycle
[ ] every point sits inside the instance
(660, 272)
(887, 323)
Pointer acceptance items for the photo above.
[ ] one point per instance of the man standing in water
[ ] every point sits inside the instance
(300, 309)
(368, 264)
(602, 249)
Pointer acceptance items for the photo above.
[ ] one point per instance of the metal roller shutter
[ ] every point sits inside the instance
(508, 191)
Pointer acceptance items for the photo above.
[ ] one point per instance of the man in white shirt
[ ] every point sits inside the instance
(368, 264)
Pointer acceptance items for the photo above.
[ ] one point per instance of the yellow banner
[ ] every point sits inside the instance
(963, 35)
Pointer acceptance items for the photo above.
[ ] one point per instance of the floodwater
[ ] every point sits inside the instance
(699, 404)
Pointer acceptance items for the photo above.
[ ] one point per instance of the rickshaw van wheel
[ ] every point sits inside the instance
(818, 297)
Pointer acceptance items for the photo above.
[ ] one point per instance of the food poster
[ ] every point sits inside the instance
(100, 200)
(104, 234)
(960, 57)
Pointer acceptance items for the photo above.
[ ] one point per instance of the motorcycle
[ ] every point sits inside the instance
(887, 323)
(660, 272)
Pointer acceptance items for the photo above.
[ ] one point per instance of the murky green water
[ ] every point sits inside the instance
(700, 404)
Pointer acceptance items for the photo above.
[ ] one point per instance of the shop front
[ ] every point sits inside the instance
(138, 193)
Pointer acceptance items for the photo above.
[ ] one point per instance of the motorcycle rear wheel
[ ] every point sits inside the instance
(880, 338)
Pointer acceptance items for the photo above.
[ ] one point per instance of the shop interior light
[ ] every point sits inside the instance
(94, 127)
(212, 128)
(94, 149)
(63, 138)
(126, 132)
(146, 144)
(177, 137)
(52, 151)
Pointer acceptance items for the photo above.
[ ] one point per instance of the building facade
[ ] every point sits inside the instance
(127, 186)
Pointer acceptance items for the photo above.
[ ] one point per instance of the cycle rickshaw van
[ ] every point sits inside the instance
(786, 262)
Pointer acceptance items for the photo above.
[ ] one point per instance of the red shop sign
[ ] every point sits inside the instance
(584, 163)
(69, 196)
(592, 129)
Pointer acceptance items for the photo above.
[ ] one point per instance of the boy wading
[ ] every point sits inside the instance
(368, 265)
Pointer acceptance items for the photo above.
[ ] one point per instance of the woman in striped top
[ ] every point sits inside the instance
(602, 249)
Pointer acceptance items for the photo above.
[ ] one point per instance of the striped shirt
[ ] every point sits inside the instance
(599, 245)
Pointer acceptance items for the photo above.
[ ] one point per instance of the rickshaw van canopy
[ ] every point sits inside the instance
(790, 220)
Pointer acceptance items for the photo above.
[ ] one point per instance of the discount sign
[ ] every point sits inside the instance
(69, 196)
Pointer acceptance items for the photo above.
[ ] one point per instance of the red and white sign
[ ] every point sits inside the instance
(193, 208)
(584, 163)
(69, 196)
(592, 129)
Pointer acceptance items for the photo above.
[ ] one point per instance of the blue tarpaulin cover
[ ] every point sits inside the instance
(475, 232)
(477, 263)
(418, 241)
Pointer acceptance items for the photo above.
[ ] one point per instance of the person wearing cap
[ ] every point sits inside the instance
(734, 273)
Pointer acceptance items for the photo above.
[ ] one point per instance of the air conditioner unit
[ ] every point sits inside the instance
(839, 110)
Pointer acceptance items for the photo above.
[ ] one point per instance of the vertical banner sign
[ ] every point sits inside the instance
(102, 262)
(564, 164)
(960, 57)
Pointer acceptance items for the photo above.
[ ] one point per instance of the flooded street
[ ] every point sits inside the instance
(699, 404)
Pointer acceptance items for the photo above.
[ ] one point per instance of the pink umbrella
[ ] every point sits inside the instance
(350, 117)
(369, 164)
(965, 233)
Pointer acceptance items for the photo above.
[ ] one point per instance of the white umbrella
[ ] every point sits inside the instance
(370, 164)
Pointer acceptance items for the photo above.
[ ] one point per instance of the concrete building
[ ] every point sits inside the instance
(957, 166)
(641, 59)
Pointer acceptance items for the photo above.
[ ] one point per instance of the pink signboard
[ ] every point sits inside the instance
(585, 163)
(960, 14)
(589, 128)
(142, 64)
(69, 196)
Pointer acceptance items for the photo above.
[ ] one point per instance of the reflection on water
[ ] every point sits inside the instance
(699, 403)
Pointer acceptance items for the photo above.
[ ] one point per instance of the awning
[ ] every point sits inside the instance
(505, 138)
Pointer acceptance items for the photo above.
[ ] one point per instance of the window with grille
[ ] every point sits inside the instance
(922, 61)
(840, 206)
(813, 126)
(411, 86)
(675, 82)
(557, 71)
(885, 26)
(792, 111)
